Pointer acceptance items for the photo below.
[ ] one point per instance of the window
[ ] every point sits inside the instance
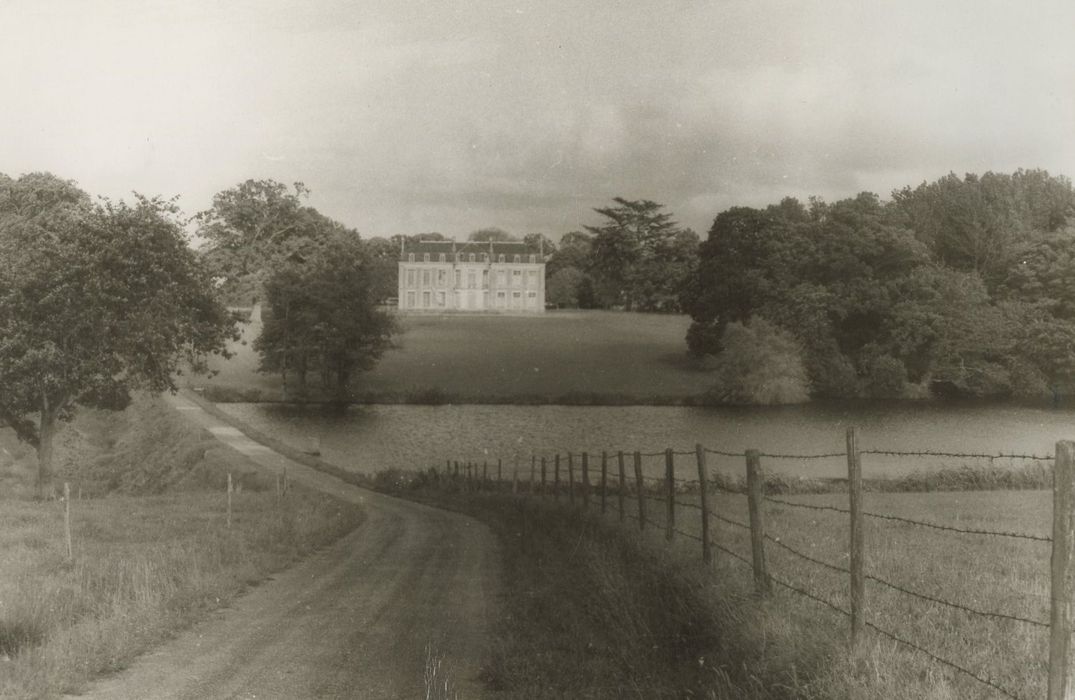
(516, 278)
(410, 300)
(485, 257)
(425, 257)
(517, 259)
(410, 278)
(533, 275)
(500, 258)
(425, 278)
(425, 300)
(410, 257)
(485, 279)
(440, 298)
(502, 280)
(472, 280)
(471, 258)
(533, 258)
(441, 276)
(458, 278)
(442, 257)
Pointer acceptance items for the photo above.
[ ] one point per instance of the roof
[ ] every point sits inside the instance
(494, 248)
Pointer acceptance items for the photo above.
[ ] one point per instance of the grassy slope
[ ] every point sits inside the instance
(151, 555)
(472, 358)
(589, 613)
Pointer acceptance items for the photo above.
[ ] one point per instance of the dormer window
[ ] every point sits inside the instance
(425, 257)
(459, 257)
(485, 257)
(500, 258)
(517, 259)
(410, 257)
(533, 258)
(442, 257)
(471, 259)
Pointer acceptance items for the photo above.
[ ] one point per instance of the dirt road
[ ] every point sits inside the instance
(361, 619)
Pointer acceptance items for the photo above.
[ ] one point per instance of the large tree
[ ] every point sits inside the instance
(640, 257)
(96, 300)
(253, 225)
(323, 316)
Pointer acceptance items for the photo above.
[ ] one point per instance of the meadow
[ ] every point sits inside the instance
(152, 549)
(556, 357)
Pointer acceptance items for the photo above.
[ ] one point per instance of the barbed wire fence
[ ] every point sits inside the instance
(611, 480)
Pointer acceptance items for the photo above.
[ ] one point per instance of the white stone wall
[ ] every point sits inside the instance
(472, 286)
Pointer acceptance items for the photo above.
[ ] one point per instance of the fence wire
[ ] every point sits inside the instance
(919, 523)
(656, 522)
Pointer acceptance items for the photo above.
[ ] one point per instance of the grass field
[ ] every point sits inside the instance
(557, 357)
(789, 646)
(151, 549)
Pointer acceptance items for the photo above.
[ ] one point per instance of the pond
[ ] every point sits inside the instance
(370, 438)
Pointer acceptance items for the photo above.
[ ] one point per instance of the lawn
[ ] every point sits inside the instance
(564, 356)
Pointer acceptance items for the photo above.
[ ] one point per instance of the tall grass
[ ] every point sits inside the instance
(144, 566)
(785, 646)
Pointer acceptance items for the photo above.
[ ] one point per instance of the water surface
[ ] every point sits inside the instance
(370, 438)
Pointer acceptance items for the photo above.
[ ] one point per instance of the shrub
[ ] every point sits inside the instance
(760, 364)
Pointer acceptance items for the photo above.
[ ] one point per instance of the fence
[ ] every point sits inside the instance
(625, 483)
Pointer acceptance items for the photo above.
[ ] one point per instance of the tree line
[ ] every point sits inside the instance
(962, 286)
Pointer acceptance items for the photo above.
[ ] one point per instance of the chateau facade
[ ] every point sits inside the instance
(471, 276)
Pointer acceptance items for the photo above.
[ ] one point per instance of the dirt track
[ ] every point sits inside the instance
(357, 620)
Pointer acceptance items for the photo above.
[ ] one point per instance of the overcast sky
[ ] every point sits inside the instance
(408, 117)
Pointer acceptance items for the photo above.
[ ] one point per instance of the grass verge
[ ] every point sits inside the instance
(596, 610)
(152, 549)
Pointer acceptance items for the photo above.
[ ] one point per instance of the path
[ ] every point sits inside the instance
(357, 620)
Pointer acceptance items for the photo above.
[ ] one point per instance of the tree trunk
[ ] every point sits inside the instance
(46, 433)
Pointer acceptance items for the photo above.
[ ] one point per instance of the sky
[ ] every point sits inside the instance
(454, 115)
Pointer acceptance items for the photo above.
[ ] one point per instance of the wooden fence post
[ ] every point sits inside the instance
(585, 479)
(571, 478)
(556, 477)
(756, 498)
(533, 470)
(703, 488)
(515, 476)
(858, 551)
(670, 493)
(641, 492)
(604, 480)
(1063, 541)
(67, 519)
(623, 480)
(229, 499)
(543, 476)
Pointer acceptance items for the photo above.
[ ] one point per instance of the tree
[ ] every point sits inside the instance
(492, 233)
(761, 363)
(95, 301)
(254, 224)
(640, 257)
(565, 287)
(384, 260)
(323, 315)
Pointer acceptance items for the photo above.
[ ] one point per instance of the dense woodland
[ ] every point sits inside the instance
(962, 286)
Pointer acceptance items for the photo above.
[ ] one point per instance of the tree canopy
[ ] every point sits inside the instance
(323, 316)
(254, 224)
(96, 300)
(957, 286)
(640, 258)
